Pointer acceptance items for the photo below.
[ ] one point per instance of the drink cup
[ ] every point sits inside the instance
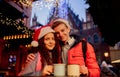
(59, 70)
(73, 70)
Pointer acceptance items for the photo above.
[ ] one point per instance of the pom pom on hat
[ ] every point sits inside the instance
(34, 43)
(39, 33)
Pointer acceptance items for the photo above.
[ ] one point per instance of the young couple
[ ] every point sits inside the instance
(67, 50)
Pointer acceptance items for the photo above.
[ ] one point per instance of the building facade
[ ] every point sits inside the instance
(93, 35)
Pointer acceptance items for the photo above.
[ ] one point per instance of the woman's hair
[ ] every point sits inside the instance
(45, 52)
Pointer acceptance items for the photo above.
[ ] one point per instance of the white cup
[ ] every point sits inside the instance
(73, 70)
(59, 70)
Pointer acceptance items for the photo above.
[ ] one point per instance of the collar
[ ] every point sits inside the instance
(71, 41)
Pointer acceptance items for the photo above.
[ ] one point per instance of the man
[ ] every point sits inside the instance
(72, 49)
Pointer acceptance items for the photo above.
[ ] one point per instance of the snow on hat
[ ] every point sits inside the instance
(62, 20)
(39, 33)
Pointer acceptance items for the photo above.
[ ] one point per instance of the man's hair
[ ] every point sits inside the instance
(55, 24)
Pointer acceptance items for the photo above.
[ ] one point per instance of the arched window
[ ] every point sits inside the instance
(89, 39)
(96, 38)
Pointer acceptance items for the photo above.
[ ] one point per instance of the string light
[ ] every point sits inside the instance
(10, 22)
(45, 3)
(39, 3)
(26, 3)
(24, 36)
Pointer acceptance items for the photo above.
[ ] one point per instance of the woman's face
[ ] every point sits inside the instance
(49, 41)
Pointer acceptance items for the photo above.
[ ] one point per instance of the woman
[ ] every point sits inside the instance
(47, 51)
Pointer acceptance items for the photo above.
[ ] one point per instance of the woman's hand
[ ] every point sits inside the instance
(47, 70)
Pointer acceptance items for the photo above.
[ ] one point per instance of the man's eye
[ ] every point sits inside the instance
(62, 30)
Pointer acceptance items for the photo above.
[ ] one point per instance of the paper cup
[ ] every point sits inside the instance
(73, 70)
(59, 70)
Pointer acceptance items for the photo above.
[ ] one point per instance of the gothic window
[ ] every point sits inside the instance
(88, 26)
(89, 39)
(96, 38)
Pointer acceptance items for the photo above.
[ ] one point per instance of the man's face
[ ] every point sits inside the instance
(62, 32)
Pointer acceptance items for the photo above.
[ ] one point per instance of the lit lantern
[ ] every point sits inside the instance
(106, 54)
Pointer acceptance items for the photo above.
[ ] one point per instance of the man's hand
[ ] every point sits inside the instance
(84, 70)
(47, 70)
(30, 58)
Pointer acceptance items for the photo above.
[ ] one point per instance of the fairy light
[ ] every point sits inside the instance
(26, 3)
(45, 3)
(10, 22)
(11, 37)
(39, 3)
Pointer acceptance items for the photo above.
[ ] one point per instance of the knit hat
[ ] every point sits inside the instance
(62, 20)
(39, 33)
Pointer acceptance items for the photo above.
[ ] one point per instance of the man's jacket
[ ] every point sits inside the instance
(75, 56)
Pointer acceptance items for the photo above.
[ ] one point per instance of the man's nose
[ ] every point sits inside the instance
(60, 34)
